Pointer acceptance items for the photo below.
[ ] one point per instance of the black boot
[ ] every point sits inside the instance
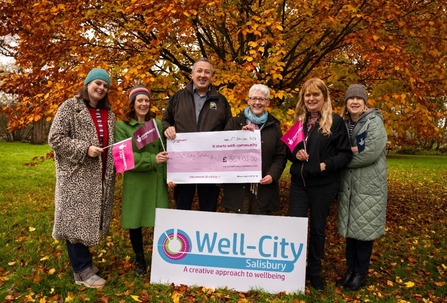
(357, 281)
(317, 282)
(346, 278)
(140, 264)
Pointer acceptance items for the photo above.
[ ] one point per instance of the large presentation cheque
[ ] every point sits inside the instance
(215, 157)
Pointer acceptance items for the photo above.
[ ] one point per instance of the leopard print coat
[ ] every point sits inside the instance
(83, 200)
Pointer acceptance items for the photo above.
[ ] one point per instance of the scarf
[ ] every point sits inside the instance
(255, 119)
(250, 118)
(312, 119)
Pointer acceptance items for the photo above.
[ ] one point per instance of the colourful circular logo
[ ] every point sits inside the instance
(175, 244)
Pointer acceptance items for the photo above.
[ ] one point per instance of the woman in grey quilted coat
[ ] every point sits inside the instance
(85, 177)
(363, 189)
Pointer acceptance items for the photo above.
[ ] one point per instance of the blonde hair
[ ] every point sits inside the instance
(315, 85)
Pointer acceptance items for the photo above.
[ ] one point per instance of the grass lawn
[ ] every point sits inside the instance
(409, 264)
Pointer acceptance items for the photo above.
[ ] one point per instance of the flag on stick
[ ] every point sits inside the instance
(123, 155)
(294, 135)
(146, 134)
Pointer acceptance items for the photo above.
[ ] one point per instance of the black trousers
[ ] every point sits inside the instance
(358, 254)
(207, 194)
(318, 200)
(136, 239)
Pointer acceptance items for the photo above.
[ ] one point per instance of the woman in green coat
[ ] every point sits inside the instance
(144, 187)
(363, 189)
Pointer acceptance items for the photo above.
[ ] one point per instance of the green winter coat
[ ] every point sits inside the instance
(144, 187)
(363, 190)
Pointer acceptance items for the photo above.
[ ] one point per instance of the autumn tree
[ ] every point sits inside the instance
(396, 48)
(6, 101)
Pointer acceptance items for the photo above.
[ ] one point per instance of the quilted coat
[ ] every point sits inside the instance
(363, 190)
(145, 186)
(83, 200)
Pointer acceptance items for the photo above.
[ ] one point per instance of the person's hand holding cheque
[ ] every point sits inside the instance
(249, 127)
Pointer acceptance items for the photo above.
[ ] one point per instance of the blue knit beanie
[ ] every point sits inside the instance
(97, 73)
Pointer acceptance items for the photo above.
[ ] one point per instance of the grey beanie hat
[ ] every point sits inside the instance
(356, 90)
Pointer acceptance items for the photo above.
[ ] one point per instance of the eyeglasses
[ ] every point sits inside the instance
(257, 99)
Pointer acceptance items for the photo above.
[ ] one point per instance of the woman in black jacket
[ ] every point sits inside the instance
(262, 197)
(315, 169)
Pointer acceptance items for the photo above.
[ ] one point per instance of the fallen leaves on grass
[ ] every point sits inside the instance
(408, 263)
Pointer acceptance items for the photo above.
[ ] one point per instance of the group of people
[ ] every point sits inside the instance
(340, 155)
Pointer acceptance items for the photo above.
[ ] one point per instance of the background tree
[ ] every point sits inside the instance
(7, 101)
(397, 49)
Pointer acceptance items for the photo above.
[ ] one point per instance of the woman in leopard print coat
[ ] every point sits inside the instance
(84, 193)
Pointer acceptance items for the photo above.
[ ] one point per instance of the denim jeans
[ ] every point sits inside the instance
(79, 255)
(318, 200)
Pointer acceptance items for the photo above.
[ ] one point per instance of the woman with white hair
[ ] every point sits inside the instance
(262, 197)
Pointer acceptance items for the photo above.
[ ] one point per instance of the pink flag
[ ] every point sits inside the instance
(146, 134)
(123, 155)
(294, 135)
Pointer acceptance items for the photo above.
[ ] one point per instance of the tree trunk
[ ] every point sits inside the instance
(37, 136)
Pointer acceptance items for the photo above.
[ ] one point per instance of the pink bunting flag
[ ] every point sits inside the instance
(123, 155)
(294, 135)
(146, 134)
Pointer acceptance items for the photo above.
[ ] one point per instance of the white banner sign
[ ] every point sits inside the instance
(237, 251)
(215, 157)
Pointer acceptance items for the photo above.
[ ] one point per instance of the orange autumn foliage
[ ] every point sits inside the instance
(397, 48)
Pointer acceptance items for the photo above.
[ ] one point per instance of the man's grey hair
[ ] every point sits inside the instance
(203, 60)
